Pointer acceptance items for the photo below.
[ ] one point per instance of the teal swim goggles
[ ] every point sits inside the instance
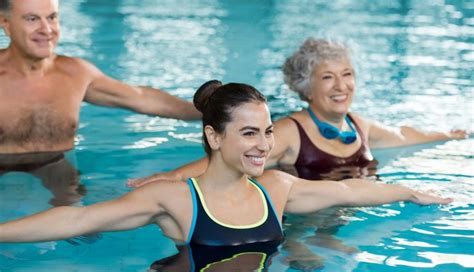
(331, 132)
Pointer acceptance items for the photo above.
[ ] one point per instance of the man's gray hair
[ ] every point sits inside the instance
(5, 5)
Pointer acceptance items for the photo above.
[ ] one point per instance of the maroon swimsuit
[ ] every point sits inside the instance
(314, 163)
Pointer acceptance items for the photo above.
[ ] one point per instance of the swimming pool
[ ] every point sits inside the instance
(414, 67)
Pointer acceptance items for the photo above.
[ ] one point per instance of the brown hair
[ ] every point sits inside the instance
(216, 102)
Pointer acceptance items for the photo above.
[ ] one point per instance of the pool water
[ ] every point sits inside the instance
(414, 64)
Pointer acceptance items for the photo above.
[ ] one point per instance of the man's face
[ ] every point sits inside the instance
(33, 27)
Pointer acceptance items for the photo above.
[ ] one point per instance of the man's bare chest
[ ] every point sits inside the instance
(41, 115)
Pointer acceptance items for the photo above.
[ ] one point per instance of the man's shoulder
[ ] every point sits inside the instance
(66, 60)
(73, 64)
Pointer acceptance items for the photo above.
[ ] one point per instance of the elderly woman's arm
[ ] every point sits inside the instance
(381, 136)
(192, 169)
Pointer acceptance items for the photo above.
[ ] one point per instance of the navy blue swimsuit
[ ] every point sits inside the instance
(207, 231)
(214, 246)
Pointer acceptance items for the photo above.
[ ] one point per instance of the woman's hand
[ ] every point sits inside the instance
(428, 199)
(458, 134)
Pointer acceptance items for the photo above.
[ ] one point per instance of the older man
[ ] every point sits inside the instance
(41, 92)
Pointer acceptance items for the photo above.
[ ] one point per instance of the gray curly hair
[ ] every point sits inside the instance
(298, 68)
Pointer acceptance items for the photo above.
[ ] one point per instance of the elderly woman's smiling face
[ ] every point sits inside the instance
(332, 88)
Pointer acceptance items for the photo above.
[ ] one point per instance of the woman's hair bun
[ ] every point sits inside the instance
(202, 95)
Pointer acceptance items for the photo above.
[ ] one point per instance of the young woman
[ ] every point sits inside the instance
(234, 202)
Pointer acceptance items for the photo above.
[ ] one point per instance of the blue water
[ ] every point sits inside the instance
(414, 64)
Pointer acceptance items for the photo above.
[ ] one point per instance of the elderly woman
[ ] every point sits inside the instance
(324, 136)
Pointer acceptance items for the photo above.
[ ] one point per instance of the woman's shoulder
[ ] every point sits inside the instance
(165, 189)
(278, 184)
(289, 122)
(358, 117)
(276, 178)
(362, 122)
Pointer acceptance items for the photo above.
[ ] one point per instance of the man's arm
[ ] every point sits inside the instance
(106, 91)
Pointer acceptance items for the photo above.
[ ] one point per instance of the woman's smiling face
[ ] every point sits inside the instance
(248, 138)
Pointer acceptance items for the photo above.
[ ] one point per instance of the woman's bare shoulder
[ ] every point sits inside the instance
(165, 190)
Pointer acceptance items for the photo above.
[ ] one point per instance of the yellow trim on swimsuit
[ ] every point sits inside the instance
(258, 223)
(259, 268)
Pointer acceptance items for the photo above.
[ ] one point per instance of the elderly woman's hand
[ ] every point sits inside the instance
(458, 134)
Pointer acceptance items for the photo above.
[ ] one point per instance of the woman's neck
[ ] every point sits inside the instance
(221, 177)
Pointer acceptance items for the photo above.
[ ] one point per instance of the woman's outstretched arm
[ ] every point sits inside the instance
(134, 209)
(381, 136)
(308, 196)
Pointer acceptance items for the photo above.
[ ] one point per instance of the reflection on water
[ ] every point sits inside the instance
(396, 232)
(431, 260)
(55, 171)
(368, 171)
(249, 257)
